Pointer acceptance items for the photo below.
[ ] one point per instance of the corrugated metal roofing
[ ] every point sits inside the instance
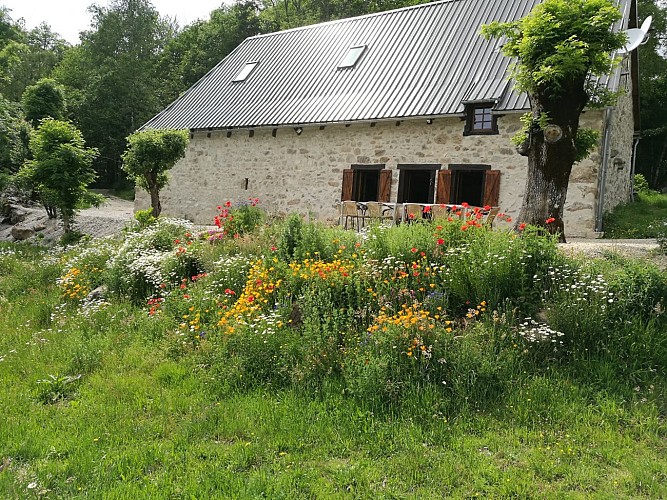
(420, 61)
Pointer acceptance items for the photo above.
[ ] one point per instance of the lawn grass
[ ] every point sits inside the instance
(643, 218)
(146, 420)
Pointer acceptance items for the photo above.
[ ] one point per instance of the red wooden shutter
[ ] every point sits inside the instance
(348, 180)
(492, 188)
(444, 188)
(384, 188)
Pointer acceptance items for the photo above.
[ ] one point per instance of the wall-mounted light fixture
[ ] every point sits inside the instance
(229, 134)
(251, 133)
(274, 132)
(429, 121)
(298, 130)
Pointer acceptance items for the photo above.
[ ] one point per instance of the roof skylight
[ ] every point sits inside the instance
(352, 56)
(245, 71)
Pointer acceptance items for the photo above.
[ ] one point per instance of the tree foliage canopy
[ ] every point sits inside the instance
(558, 47)
(150, 154)
(44, 99)
(559, 43)
(61, 168)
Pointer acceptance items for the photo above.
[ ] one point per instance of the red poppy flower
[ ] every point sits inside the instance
(465, 204)
(441, 241)
(522, 226)
(550, 220)
(228, 203)
(427, 209)
(413, 250)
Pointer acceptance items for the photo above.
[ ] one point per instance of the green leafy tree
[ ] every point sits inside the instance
(14, 136)
(557, 47)
(150, 154)
(652, 150)
(200, 46)
(61, 168)
(44, 99)
(111, 78)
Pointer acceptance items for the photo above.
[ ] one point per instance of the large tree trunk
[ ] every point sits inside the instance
(550, 164)
(155, 201)
(154, 191)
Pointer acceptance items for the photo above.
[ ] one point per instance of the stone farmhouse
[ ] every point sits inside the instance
(409, 105)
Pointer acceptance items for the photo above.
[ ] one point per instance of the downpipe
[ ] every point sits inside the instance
(602, 178)
(635, 143)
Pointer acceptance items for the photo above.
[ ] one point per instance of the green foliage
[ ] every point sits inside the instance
(56, 388)
(642, 218)
(149, 155)
(112, 77)
(332, 386)
(560, 42)
(651, 153)
(14, 136)
(44, 99)
(587, 139)
(61, 168)
(641, 184)
(144, 218)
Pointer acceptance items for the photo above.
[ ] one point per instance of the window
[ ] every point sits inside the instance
(352, 56)
(245, 71)
(366, 183)
(477, 185)
(480, 120)
(416, 183)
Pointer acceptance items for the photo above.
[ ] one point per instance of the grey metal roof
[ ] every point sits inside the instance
(424, 60)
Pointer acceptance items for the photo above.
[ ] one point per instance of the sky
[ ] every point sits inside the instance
(69, 17)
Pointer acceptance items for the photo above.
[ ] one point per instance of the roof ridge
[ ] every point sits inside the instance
(348, 19)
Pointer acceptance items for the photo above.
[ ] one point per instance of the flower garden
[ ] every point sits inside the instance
(426, 322)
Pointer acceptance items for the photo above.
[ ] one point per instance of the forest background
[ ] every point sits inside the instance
(133, 62)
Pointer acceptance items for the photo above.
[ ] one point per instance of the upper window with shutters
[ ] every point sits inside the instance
(480, 120)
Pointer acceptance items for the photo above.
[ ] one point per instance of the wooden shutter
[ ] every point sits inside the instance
(384, 187)
(348, 180)
(491, 188)
(444, 190)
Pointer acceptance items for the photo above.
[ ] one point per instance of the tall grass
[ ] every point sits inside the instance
(299, 361)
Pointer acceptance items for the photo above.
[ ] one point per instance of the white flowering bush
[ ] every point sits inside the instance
(153, 259)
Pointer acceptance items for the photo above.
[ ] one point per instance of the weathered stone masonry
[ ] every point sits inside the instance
(303, 173)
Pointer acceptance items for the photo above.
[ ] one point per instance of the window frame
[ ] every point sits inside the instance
(247, 69)
(402, 168)
(470, 110)
(353, 58)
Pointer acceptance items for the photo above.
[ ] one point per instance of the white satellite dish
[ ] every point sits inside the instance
(636, 36)
(646, 24)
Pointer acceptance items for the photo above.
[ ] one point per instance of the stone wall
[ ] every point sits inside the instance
(617, 180)
(303, 173)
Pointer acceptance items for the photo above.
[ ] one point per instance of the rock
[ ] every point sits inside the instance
(17, 214)
(99, 293)
(20, 233)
